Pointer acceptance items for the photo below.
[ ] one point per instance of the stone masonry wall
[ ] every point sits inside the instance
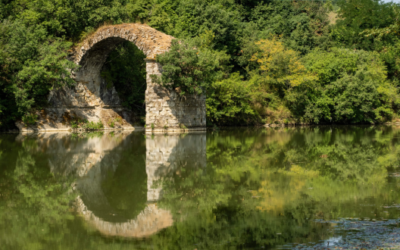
(166, 110)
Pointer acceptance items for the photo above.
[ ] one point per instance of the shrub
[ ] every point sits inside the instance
(118, 119)
(189, 67)
(30, 118)
(93, 125)
(74, 124)
(229, 102)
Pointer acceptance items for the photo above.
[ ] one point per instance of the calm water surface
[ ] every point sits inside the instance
(310, 188)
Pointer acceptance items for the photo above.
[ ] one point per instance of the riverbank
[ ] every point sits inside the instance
(181, 130)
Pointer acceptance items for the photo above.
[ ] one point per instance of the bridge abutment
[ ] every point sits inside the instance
(167, 111)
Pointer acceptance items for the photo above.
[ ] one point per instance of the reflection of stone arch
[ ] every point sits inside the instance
(148, 222)
(91, 159)
(93, 100)
(94, 205)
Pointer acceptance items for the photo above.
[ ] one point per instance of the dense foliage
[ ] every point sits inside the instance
(188, 70)
(271, 55)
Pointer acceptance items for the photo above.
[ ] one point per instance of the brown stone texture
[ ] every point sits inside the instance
(91, 99)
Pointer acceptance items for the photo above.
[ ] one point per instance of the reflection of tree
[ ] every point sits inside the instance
(216, 206)
(258, 185)
(37, 205)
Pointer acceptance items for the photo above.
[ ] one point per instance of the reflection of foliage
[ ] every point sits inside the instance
(35, 205)
(50, 201)
(282, 187)
(39, 200)
(87, 135)
(222, 196)
(271, 182)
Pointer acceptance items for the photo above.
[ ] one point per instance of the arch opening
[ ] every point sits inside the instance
(113, 77)
(125, 72)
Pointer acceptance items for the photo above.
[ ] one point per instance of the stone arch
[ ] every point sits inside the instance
(151, 41)
(91, 99)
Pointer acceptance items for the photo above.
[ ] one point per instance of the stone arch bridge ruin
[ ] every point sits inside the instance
(90, 99)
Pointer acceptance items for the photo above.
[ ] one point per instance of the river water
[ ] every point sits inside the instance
(286, 188)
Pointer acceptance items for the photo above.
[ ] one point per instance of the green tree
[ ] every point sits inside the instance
(303, 25)
(352, 88)
(357, 16)
(229, 102)
(190, 68)
(32, 64)
(281, 67)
